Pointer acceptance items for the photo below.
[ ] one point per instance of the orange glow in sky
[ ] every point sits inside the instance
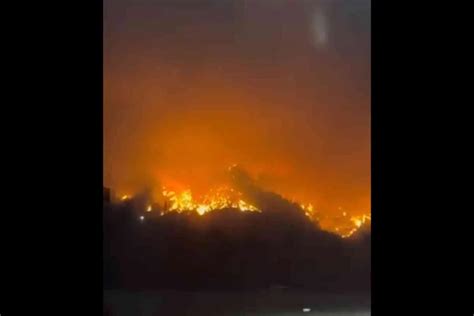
(190, 91)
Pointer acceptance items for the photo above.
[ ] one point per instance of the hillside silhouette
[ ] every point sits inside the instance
(229, 249)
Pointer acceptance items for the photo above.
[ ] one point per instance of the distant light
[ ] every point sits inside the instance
(142, 218)
(148, 209)
(344, 213)
(125, 197)
(306, 310)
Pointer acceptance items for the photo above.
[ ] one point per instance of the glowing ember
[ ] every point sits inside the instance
(308, 210)
(202, 209)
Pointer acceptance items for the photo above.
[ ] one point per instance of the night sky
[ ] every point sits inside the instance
(281, 88)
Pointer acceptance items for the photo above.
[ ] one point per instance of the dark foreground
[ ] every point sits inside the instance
(282, 302)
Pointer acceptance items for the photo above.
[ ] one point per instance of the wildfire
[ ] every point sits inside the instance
(344, 225)
(220, 198)
(225, 197)
(357, 221)
(308, 210)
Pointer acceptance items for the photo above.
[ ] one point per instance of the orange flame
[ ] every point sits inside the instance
(225, 197)
(221, 198)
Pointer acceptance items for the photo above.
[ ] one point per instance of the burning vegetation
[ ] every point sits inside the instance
(229, 197)
(220, 198)
(237, 236)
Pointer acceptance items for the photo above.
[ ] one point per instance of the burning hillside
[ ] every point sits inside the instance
(220, 198)
(234, 236)
(280, 87)
(244, 195)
